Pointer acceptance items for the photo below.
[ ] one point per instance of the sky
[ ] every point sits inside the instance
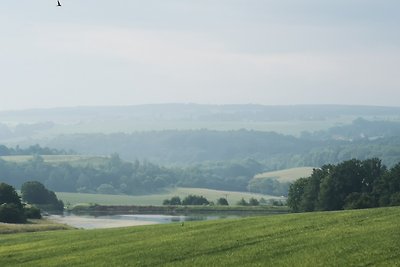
(128, 52)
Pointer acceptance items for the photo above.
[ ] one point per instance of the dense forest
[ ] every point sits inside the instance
(351, 184)
(116, 176)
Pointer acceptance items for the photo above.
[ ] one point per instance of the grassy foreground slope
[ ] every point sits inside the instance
(157, 199)
(348, 238)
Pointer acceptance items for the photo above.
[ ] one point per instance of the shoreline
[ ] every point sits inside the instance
(85, 222)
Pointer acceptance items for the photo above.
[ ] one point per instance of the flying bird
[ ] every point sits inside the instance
(58, 3)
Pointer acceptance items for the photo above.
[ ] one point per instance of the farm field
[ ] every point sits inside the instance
(71, 159)
(157, 199)
(287, 175)
(345, 238)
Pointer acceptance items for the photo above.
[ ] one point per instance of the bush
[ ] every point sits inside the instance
(11, 213)
(222, 202)
(173, 201)
(395, 199)
(195, 200)
(242, 202)
(32, 212)
(253, 202)
(359, 201)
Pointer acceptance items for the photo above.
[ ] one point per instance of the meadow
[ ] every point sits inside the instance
(33, 225)
(157, 199)
(345, 238)
(287, 175)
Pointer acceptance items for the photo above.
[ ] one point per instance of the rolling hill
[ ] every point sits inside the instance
(346, 238)
(157, 199)
(287, 175)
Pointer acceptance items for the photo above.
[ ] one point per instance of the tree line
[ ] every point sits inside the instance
(115, 176)
(32, 150)
(351, 184)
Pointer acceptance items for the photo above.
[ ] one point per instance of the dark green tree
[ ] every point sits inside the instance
(8, 195)
(195, 200)
(173, 201)
(351, 184)
(35, 192)
(342, 180)
(11, 209)
(309, 201)
(388, 186)
(296, 192)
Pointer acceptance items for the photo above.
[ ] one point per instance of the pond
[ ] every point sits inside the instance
(111, 221)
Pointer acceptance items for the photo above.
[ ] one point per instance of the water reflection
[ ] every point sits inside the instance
(111, 221)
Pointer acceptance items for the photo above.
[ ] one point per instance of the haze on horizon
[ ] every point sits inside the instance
(98, 52)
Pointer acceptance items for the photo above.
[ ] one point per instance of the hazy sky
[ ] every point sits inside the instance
(123, 52)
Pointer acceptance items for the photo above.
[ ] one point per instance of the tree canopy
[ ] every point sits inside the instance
(11, 209)
(35, 192)
(9, 195)
(351, 184)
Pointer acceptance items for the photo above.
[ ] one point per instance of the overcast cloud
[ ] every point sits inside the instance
(120, 52)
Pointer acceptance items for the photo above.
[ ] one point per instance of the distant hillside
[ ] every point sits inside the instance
(17, 127)
(185, 147)
(190, 112)
(279, 137)
(276, 151)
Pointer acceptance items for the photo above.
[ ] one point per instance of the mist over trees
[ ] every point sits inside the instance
(116, 176)
(150, 161)
(193, 112)
(276, 151)
(32, 150)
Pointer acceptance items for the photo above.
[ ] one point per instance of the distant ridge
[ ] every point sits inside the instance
(197, 112)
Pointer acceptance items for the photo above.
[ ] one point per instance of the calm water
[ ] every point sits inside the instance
(91, 222)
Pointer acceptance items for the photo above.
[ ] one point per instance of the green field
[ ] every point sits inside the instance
(157, 199)
(287, 175)
(347, 238)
